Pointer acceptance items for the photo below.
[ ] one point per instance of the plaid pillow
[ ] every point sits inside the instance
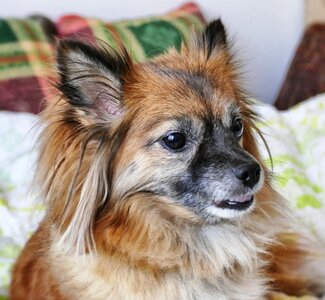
(25, 53)
(145, 38)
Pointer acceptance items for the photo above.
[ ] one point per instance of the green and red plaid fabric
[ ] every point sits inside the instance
(25, 60)
(26, 50)
(144, 38)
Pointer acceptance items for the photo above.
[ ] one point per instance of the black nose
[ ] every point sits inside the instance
(249, 174)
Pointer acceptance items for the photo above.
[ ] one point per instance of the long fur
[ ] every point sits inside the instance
(108, 232)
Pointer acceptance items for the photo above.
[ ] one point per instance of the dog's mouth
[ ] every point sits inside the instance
(236, 203)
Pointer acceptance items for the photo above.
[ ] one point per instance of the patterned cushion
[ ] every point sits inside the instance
(26, 48)
(25, 54)
(18, 214)
(296, 138)
(144, 38)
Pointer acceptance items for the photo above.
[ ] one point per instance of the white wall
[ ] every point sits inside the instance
(265, 32)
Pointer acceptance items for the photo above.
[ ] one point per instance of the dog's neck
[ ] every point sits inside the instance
(211, 262)
(214, 261)
(148, 240)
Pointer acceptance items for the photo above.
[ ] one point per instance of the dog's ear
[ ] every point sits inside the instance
(213, 38)
(91, 77)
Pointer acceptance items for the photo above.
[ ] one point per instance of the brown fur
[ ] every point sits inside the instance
(144, 244)
(288, 260)
(32, 279)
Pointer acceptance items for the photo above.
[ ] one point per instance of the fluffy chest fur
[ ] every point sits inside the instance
(219, 263)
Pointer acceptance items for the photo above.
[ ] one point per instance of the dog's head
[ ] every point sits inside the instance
(173, 136)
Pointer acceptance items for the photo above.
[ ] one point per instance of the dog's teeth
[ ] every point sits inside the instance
(232, 202)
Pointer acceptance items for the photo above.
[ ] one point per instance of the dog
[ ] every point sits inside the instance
(153, 182)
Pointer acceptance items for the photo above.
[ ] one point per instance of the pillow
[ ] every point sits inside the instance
(305, 77)
(18, 214)
(145, 38)
(296, 138)
(25, 55)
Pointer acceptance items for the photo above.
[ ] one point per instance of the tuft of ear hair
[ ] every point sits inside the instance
(91, 76)
(213, 37)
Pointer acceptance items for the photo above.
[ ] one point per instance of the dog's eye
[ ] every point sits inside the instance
(175, 140)
(237, 127)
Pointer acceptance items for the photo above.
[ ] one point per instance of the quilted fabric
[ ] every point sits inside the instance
(18, 216)
(26, 50)
(144, 38)
(25, 59)
(297, 141)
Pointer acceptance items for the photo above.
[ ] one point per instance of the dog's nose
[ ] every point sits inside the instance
(249, 174)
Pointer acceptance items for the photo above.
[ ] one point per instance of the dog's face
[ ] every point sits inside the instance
(185, 144)
(176, 130)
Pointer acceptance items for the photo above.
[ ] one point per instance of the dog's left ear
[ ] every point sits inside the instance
(91, 77)
(213, 38)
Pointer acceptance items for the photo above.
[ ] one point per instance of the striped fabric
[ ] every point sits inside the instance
(26, 51)
(144, 38)
(25, 54)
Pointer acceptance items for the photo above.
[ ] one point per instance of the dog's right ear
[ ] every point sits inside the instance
(91, 77)
(212, 39)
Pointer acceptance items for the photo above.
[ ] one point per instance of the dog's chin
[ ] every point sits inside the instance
(232, 208)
